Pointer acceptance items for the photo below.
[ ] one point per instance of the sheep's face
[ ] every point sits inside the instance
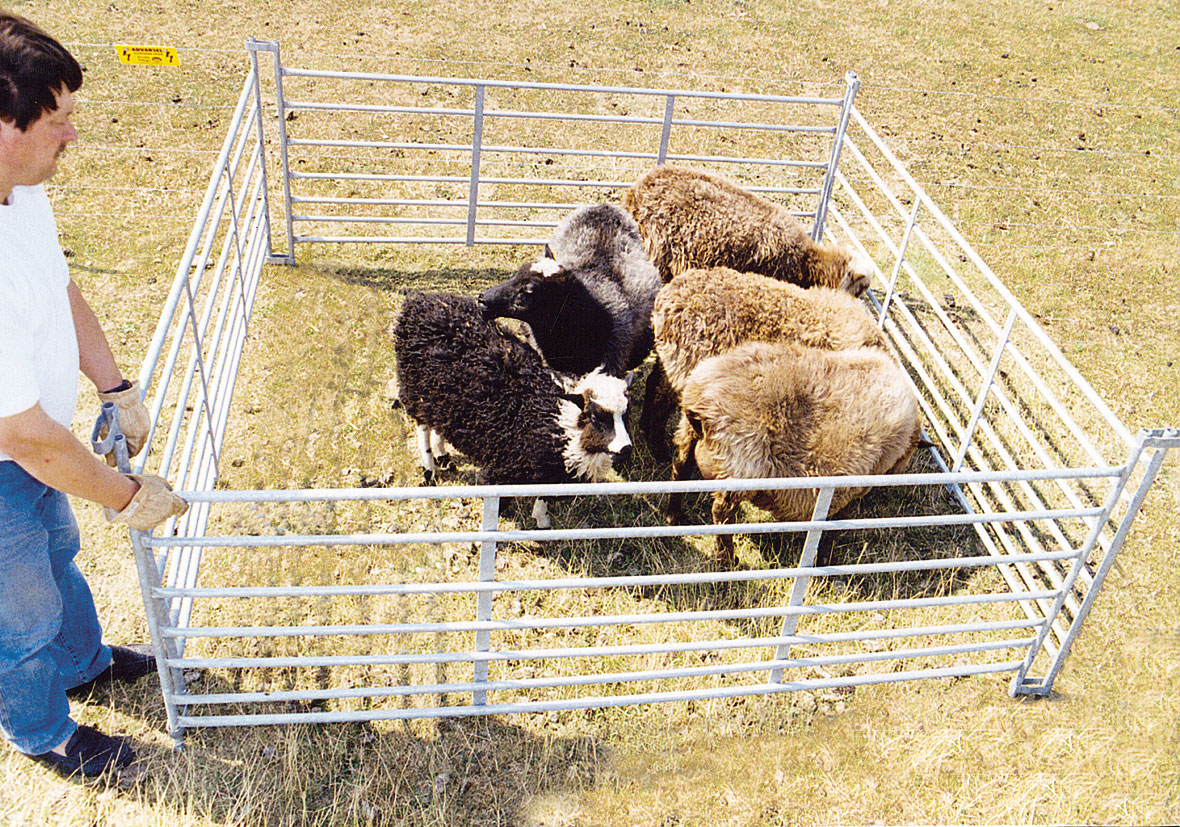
(858, 271)
(593, 418)
(520, 296)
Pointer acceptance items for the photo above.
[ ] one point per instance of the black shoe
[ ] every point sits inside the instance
(127, 664)
(89, 753)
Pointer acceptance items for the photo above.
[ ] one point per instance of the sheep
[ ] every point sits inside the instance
(702, 313)
(588, 300)
(690, 218)
(781, 409)
(469, 382)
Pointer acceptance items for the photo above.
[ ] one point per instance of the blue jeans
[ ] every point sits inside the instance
(50, 638)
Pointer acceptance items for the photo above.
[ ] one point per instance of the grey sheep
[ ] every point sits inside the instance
(588, 301)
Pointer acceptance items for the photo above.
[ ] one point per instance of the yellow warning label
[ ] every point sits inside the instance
(148, 55)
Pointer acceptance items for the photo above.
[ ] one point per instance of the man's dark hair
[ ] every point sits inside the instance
(33, 69)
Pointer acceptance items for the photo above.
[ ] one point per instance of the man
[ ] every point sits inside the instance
(50, 637)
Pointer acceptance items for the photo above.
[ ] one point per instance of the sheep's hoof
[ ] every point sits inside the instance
(445, 463)
(427, 476)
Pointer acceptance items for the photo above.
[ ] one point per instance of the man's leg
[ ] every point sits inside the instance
(34, 713)
(78, 648)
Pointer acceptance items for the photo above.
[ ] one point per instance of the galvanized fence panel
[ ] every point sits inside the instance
(437, 624)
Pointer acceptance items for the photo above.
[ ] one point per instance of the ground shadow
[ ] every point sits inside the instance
(463, 771)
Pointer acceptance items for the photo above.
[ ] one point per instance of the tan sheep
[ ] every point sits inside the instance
(702, 313)
(781, 409)
(689, 218)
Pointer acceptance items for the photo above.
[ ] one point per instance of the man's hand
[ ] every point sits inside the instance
(152, 504)
(134, 420)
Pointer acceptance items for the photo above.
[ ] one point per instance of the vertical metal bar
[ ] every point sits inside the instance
(1124, 528)
(821, 211)
(807, 559)
(483, 609)
(476, 144)
(905, 245)
(981, 400)
(666, 130)
(199, 356)
(163, 648)
(284, 162)
(270, 250)
(1019, 685)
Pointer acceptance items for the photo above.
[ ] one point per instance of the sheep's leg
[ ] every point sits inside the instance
(440, 450)
(658, 402)
(684, 466)
(425, 455)
(541, 513)
(725, 509)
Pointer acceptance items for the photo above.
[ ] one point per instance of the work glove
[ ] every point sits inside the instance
(152, 504)
(134, 420)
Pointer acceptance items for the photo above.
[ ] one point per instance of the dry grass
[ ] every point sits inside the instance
(1030, 123)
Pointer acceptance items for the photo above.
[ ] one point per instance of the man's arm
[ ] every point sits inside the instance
(54, 456)
(94, 352)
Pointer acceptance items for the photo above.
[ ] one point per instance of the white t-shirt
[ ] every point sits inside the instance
(38, 345)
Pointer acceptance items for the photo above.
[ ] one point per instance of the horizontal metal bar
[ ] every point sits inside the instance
(618, 532)
(561, 87)
(382, 219)
(434, 202)
(596, 701)
(814, 609)
(527, 623)
(579, 489)
(598, 679)
(629, 581)
(346, 239)
(501, 656)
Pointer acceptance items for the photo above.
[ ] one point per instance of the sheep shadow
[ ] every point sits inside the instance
(465, 280)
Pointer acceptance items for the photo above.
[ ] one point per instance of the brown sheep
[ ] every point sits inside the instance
(703, 313)
(689, 218)
(781, 409)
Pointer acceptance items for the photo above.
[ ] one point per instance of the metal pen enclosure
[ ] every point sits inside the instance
(1041, 472)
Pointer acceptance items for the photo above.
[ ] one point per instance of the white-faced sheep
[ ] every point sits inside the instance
(780, 409)
(588, 301)
(467, 381)
(703, 313)
(693, 219)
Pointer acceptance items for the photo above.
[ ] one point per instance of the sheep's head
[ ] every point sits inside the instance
(857, 272)
(593, 418)
(529, 289)
(569, 325)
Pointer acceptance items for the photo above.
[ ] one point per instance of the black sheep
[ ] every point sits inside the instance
(588, 301)
(493, 398)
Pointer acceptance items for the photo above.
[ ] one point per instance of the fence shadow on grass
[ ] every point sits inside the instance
(466, 771)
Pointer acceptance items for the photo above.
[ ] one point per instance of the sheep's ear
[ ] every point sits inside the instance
(547, 267)
(576, 398)
(630, 378)
(549, 252)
